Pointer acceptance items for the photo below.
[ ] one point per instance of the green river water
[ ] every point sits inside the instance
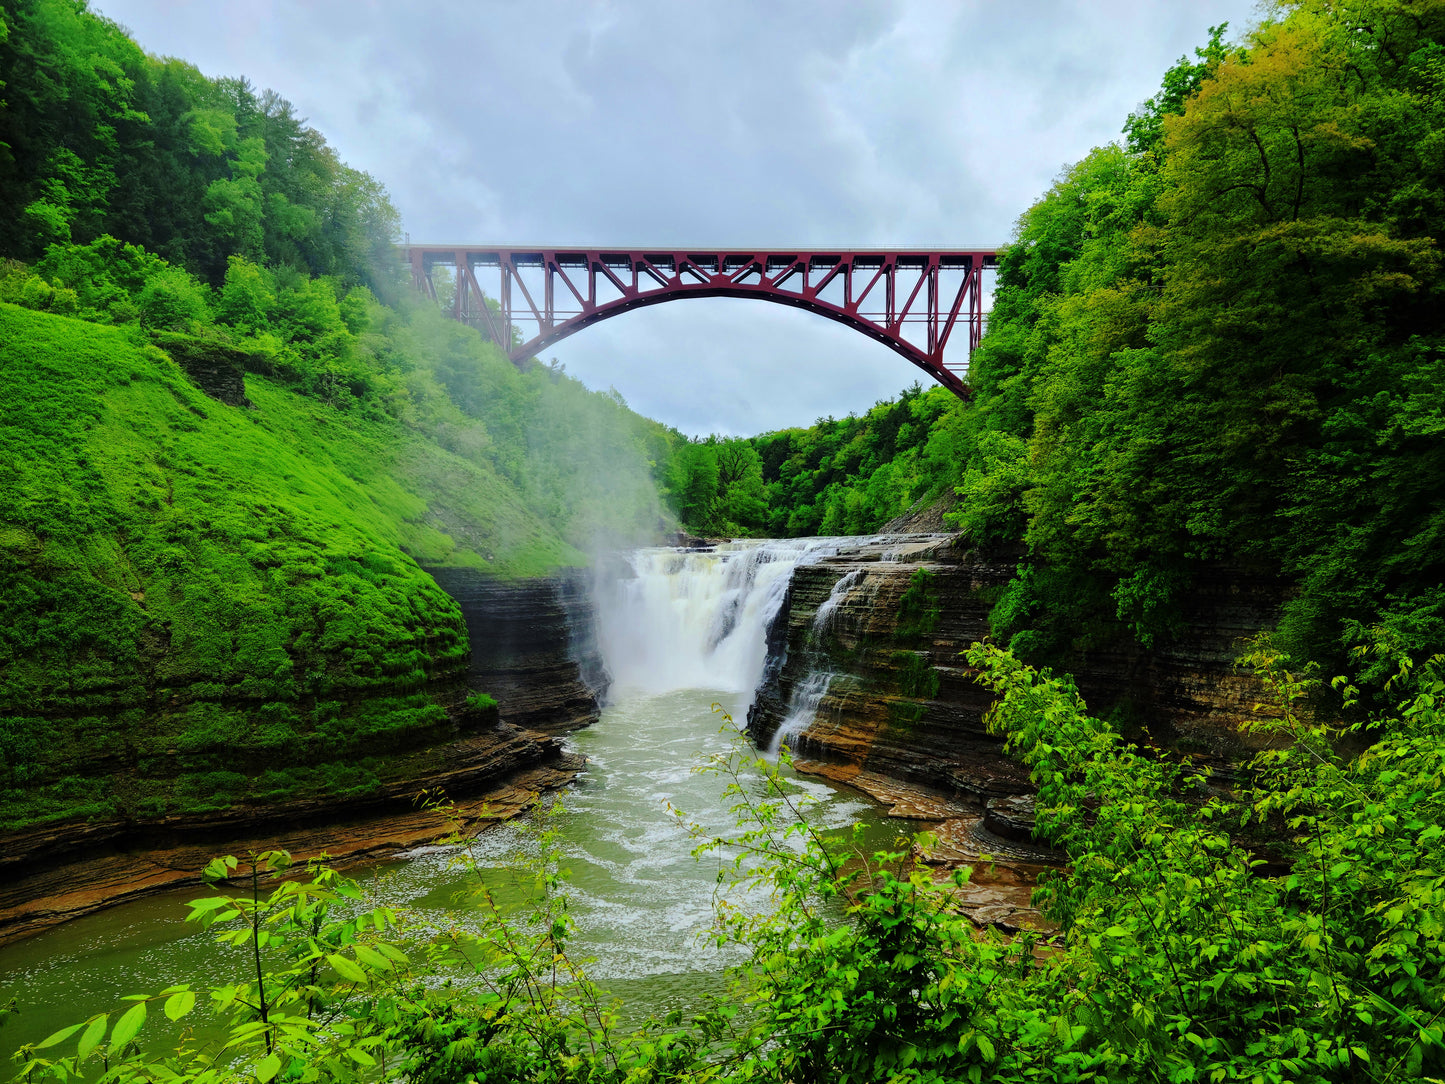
(642, 903)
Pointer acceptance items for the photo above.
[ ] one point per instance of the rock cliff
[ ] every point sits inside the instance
(532, 646)
(529, 649)
(888, 621)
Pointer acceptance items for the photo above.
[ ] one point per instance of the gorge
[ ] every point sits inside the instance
(292, 555)
(845, 648)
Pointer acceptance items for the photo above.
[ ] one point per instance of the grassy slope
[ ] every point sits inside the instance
(192, 593)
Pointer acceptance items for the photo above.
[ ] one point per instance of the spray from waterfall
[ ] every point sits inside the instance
(678, 619)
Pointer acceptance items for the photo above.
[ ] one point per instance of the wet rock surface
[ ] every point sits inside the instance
(901, 703)
(1011, 818)
(532, 646)
(41, 885)
(902, 719)
(889, 619)
(1002, 873)
(998, 893)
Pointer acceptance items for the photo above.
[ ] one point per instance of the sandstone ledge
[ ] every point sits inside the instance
(529, 650)
(50, 875)
(998, 894)
(902, 703)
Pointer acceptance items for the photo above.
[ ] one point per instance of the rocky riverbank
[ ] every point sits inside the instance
(529, 649)
(864, 678)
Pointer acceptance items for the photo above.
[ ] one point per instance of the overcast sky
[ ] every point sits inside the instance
(676, 123)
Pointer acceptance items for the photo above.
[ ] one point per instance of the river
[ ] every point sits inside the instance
(679, 631)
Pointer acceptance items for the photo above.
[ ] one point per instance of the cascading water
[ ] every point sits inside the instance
(698, 619)
(824, 617)
(677, 630)
(802, 708)
(807, 695)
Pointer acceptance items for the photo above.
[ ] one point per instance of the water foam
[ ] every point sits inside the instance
(689, 619)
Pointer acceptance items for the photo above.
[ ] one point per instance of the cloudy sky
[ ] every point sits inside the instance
(680, 123)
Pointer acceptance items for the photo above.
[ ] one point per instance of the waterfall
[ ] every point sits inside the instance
(802, 708)
(824, 617)
(697, 619)
(808, 695)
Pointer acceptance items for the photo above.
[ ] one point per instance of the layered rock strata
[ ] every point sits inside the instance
(888, 621)
(533, 647)
(530, 650)
(50, 875)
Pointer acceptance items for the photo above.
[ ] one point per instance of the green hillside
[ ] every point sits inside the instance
(195, 594)
(189, 588)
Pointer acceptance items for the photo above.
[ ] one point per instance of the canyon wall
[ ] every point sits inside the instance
(533, 646)
(888, 621)
(529, 649)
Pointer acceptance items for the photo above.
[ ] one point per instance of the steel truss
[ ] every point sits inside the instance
(910, 300)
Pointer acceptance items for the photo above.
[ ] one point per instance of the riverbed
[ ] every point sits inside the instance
(643, 905)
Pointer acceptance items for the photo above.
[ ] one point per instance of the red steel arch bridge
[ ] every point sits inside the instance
(912, 300)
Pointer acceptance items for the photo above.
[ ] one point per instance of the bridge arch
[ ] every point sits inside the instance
(911, 300)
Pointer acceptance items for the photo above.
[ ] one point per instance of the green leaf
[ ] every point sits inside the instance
(179, 1003)
(391, 952)
(93, 1034)
(371, 958)
(345, 968)
(60, 1036)
(268, 1067)
(985, 1047)
(129, 1025)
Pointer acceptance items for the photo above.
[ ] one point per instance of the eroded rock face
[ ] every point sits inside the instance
(900, 703)
(217, 369)
(48, 876)
(529, 650)
(889, 621)
(532, 646)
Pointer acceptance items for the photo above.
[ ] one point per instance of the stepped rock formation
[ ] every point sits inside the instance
(523, 652)
(902, 706)
(533, 646)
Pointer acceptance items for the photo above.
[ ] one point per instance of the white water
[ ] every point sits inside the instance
(685, 630)
(802, 708)
(807, 696)
(698, 620)
(824, 617)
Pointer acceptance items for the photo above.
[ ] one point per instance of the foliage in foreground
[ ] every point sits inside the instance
(1181, 956)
